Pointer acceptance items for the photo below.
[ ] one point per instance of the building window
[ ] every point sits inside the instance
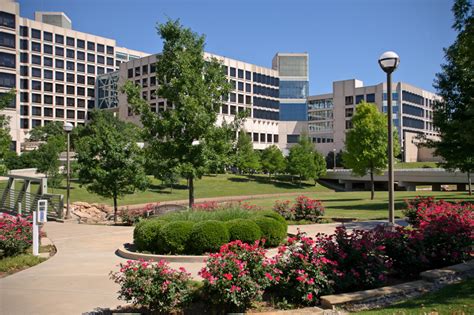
(241, 86)
(100, 59)
(232, 110)
(359, 99)
(81, 115)
(48, 74)
(225, 109)
(81, 79)
(35, 33)
(47, 62)
(90, 80)
(81, 103)
(36, 85)
(36, 72)
(60, 102)
(36, 60)
(81, 91)
(24, 84)
(59, 88)
(275, 138)
(90, 46)
(24, 110)
(130, 73)
(91, 57)
(9, 61)
(81, 43)
(70, 41)
(7, 80)
(348, 124)
(269, 138)
(370, 98)
(48, 36)
(241, 99)
(7, 20)
(248, 75)
(255, 137)
(35, 123)
(59, 51)
(59, 39)
(7, 40)
(59, 113)
(23, 70)
(70, 103)
(24, 97)
(262, 137)
(24, 123)
(36, 98)
(24, 31)
(100, 70)
(349, 112)
(241, 74)
(248, 99)
(232, 72)
(70, 90)
(349, 100)
(70, 77)
(70, 65)
(90, 69)
(292, 138)
(70, 114)
(100, 48)
(110, 50)
(48, 87)
(81, 67)
(24, 44)
(48, 99)
(80, 55)
(59, 76)
(23, 57)
(70, 53)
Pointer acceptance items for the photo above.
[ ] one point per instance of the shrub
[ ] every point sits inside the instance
(273, 232)
(147, 235)
(207, 236)
(16, 235)
(273, 215)
(199, 216)
(206, 206)
(283, 208)
(447, 231)
(303, 270)
(238, 275)
(412, 206)
(244, 230)
(175, 236)
(361, 261)
(154, 286)
(307, 209)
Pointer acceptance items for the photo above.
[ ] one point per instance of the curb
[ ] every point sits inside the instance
(124, 253)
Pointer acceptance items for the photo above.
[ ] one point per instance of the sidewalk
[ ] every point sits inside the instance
(76, 280)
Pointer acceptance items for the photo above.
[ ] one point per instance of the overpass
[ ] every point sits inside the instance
(404, 178)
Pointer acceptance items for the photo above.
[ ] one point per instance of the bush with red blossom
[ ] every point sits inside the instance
(304, 208)
(361, 262)
(206, 206)
(133, 216)
(304, 271)
(16, 234)
(238, 275)
(154, 286)
(283, 208)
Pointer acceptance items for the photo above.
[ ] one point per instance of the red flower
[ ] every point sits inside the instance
(228, 276)
(309, 297)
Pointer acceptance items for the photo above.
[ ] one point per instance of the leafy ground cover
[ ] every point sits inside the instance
(14, 264)
(452, 299)
(416, 165)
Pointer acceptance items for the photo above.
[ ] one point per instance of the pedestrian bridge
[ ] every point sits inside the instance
(404, 178)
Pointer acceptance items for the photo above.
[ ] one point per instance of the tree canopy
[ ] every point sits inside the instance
(301, 160)
(454, 113)
(272, 160)
(110, 162)
(5, 138)
(246, 159)
(366, 145)
(181, 138)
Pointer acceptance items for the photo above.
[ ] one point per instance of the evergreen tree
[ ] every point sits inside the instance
(246, 159)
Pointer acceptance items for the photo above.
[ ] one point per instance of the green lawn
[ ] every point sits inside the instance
(452, 299)
(358, 204)
(416, 165)
(208, 186)
(13, 264)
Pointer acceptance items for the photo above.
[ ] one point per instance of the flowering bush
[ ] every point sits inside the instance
(133, 216)
(303, 270)
(206, 206)
(412, 206)
(307, 209)
(155, 286)
(238, 275)
(448, 233)
(283, 208)
(16, 234)
(361, 262)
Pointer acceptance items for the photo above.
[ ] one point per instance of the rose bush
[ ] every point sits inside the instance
(155, 286)
(283, 208)
(303, 269)
(304, 209)
(16, 234)
(133, 216)
(238, 275)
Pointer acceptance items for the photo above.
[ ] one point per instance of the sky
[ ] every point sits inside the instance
(344, 38)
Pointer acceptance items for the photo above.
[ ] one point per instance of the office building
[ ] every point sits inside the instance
(52, 67)
(329, 115)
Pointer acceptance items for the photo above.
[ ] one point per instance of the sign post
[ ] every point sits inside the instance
(39, 216)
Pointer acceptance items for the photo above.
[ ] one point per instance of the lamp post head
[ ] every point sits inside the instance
(195, 143)
(389, 61)
(67, 127)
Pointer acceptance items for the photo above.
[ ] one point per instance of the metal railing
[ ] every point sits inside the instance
(20, 201)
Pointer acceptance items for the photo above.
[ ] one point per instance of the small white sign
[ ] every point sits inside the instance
(42, 211)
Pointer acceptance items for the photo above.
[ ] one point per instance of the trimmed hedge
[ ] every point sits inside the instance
(243, 229)
(146, 235)
(273, 231)
(175, 236)
(207, 236)
(274, 215)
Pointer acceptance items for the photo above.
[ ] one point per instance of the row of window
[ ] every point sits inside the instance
(25, 123)
(263, 137)
(320, 126)
(232, 109)
(265, 102)
(70, 41)
(265, 79)
(413, 123)
(326, 114)
(265, 114)
(48, 112)
(7, 20)
(412, 110)
(237, 73)
(7, 40)
(59, 88)
(238, 85)
(369, 98)
(143, 70)
(58, 100)
(322, 140)
(320, 104)
(59, 64)
(59, 76)
(413, 98)
(263, 90)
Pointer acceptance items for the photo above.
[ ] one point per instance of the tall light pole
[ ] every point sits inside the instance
(334, 158)
(389, 61)
(68, 128)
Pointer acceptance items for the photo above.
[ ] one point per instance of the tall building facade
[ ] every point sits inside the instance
(52, 67)
(329, 115)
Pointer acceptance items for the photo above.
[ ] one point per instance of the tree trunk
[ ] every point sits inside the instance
(372, 185)
(191, 191)
(115, 209)
(469, 188)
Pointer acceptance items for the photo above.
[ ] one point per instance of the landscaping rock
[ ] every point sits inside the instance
(92, 213)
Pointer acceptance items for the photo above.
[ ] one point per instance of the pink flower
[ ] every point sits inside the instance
(269, 276)
(228, 276)
(309, 297)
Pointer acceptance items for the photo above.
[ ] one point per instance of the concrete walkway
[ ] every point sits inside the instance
(76, 280)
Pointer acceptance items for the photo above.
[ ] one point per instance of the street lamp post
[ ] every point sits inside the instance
(334, 159)
(389, 61)
(68, 128)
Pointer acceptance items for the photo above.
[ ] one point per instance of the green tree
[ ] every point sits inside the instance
(367, 143)
(272, 160)
(110, 162)
(46, 159)
(246, 159)
(5, 138)
(43, 133)
(330, 159)
(301, 159)
(195, 86)
(454, 113)
(320, 166)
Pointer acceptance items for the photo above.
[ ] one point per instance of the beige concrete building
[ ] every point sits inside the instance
(52, 67)
(329, 115)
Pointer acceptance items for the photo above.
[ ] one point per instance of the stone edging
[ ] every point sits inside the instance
(431, 280)
(125, 253)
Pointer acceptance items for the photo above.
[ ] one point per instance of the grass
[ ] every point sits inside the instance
(416, 165)
(208, 186)
(13, 264)
(358, 204)
(452, 299)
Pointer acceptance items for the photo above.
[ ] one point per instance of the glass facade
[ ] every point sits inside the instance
(290, 112)
(293, 66)
(294, 89)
